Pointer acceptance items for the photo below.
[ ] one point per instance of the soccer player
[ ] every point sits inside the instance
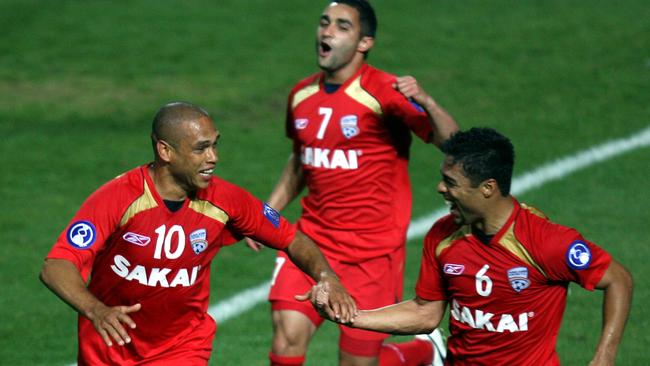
(351, 128)
(146, 240)
(503, 267)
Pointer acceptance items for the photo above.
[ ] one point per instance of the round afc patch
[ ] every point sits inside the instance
(578, 255)
(81, 234)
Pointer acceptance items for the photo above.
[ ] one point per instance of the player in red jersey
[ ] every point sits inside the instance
(146, 240)
(503, 268)
(351, 128)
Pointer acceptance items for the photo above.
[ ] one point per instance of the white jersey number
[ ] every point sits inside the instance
(165, 241)
(279, 262)
(483, 282)
(327, 115)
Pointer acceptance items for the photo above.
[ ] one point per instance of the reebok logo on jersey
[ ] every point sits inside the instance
(81, 234)
(578, 255)
(518, 277)
(136, 239)
(330, 159)
(301, 123)
(198, 240)
(454, 269)
(349, 126)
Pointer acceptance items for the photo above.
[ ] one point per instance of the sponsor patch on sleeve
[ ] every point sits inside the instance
(415, 105)
(272, 215)
(578, 256)
(81, 234)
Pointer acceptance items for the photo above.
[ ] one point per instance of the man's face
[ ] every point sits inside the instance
(337, 37)
(463, 198)
(194, 156)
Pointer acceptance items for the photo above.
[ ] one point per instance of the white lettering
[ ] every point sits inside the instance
(321, 158)
(182, 278)
(156, 277)
(479, 319)
(121, 266)
(330, 159)
(159, 276)
(139, 273)
(339, 160)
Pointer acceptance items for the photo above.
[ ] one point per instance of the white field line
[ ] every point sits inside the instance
(552, 171)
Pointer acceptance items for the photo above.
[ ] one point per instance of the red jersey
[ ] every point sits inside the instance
(354, 148)
(507, 297)
(136, 250)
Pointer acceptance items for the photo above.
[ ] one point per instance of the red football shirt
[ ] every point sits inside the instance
(354, 147)
(507, 297)
(136, 250)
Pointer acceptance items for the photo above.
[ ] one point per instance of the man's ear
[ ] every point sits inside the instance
(164, 150)
(489, 187)
(365, 44)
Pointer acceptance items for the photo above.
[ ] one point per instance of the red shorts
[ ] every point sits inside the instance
(193, 349)
(372, 283)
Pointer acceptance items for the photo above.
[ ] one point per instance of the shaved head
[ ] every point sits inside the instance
(167, 122)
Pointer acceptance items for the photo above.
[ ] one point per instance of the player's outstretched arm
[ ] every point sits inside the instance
(305, 254)
(442, 123)
(617, 285)
(64, 279)
(415, 316)
(289, 186)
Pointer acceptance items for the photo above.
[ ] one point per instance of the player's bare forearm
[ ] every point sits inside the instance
(289, 185)
(618, 285)
(63, 278)
(442, 123)
(306, 255)
(415, 316)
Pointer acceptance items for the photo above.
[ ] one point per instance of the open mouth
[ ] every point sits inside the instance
(324, 48)
(206, 173)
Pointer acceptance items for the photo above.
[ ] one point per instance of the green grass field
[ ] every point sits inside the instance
(80, 82)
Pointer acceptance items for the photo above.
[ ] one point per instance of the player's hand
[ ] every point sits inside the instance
(109, 322)
(332, 301)
(409, 87)
(254, 245)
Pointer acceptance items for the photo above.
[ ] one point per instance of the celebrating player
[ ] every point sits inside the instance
(351, 128)
(503, 267)
(146, 240)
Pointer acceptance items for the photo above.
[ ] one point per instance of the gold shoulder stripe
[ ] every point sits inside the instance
(304, 93)
(208, 209)
(143, 203)
(510, 242)
(358, 93)
(533, 210)
(446, 242)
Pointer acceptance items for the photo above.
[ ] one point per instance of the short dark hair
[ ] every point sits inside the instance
(367, 17)
(169, 117)
(483, 153)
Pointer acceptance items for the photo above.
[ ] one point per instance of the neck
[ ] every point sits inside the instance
(165, 183)
(497, 213)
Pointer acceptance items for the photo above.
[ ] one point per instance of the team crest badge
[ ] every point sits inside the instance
(518, 277)
(578, 255)
(301, 123)
(198, 240)
(81, 234)
(349, 126)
